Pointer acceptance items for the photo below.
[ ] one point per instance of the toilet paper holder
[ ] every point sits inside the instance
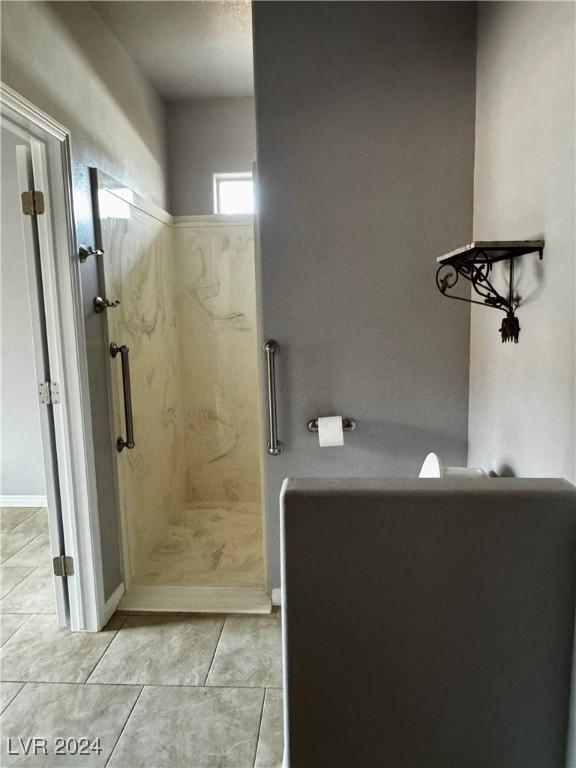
(348, 425)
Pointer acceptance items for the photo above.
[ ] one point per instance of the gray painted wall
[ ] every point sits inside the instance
(206, 136)
(21, 457)
(64, 59)
(522, 396)
(365, 124)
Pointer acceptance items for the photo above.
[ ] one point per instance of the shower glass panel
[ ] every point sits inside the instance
(190, 491)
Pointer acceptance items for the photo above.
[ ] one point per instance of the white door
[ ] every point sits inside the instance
(20, 240)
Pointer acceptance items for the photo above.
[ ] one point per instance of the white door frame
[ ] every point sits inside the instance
(24, 182)
(68, 359)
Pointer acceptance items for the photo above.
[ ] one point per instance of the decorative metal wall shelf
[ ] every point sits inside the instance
(474, 263)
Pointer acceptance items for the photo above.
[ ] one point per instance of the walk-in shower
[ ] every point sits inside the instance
(186, 329)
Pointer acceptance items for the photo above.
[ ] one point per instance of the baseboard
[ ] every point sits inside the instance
(23, 501)
(113, 602)
(196, 600)
(276, 596)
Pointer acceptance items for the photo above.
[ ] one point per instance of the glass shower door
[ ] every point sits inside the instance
(139, 282)
(180, 310)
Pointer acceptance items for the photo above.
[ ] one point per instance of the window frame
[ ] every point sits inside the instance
(229, 176)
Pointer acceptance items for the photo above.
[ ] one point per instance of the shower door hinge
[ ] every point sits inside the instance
(63, 566)
(49, 392)
(32, 203)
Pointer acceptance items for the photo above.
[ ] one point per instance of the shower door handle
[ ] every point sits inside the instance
(274, 446)
(129, 442)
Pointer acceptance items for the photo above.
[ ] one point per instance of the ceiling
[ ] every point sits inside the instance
(187, 49)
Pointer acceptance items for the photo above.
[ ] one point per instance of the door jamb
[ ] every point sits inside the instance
(76, 468)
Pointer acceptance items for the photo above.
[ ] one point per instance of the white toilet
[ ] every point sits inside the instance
(433, 467)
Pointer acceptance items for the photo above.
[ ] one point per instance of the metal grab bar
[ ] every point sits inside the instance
(129, 442)
(274, 446)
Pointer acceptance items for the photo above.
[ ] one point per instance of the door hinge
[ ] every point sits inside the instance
(49, 392)
(32, 203)
(63, 566)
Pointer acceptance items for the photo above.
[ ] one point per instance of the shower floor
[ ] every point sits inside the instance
(210, 544)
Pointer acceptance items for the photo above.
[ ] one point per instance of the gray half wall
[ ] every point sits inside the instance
(365, 130)
(428, 623)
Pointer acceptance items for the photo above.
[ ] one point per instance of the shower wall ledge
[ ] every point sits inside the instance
(213, 220)
(114, 196)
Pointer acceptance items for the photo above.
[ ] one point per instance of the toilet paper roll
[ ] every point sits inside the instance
(330, 431)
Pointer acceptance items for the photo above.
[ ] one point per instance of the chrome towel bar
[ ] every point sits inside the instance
(274, 446)
(129, 442)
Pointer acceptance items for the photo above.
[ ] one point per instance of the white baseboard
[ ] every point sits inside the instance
(196, 599)
(113, 602)
(23, 501)
(276, 596)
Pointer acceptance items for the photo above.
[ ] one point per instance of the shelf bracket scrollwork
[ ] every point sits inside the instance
(475, 263)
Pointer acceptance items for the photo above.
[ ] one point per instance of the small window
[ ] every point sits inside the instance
(233, 193)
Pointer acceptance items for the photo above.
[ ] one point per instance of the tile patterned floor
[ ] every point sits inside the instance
(26, 581)
(185, 691)
(179, 691)
(248, 653)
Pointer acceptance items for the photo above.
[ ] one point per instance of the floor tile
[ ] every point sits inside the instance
(34, 524)
(162, 650)
(9, 623)
(10, 576)
(34, 594)
(271, 739)
(67, 711)
(35, 553)
(42, 652)
(10, 517)
(7, 692)
(11, 543)
(191, 728)
(249, 653)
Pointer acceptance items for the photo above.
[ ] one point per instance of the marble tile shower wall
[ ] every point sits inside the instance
(188, 314)
(217, 322)
(141, 272)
